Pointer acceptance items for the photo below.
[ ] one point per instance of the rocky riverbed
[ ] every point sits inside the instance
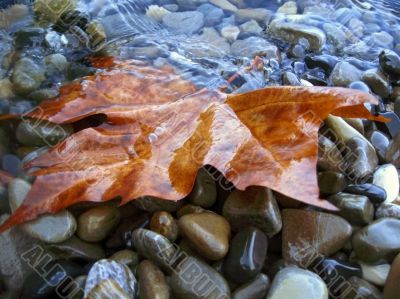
(218, 242)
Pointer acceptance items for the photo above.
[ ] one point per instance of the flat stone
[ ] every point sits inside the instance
(386, 177)
(357, 209)
(208, 233)
(246, 256)
(376, 194)
(392, 286)
(152, 283)
(256, 206)
(293, 282)
(188, 22)
(254, 289)
(379, 240)
(95, 224)
(308, 233)
(195, 279)
(344, 74)
(293, 32)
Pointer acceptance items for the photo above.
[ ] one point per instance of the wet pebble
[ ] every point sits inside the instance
(204, 191)
(152, 283)
(393, 151)
(392, 286)
(378, 82)
(386, 177)
(254, 289)
(48, 228)
(207, 233)
(325, 62)
(256, 206)
(164, 224)
(381, 143)
(376, 274)
(331, 182)
(360, 287)
(344, 74)
(27, 76)
(296, 283)
(376, 194)
(390, 62)
(357, 209)
(306, 233)
(378, 240)
(96, 224)
(246, 256)
(126, 257)
(119, 276)
(388, 210)
(187, 22)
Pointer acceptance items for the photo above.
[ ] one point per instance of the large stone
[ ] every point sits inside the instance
(152, 283)
(390, 62)
(329, 156)
(207, 233)
(309, 233)
(294, 32)
(344, 74)
(256, 206)
(377, 81)
(379, 240)
(295, 283)
(357, 209)
(254, 289)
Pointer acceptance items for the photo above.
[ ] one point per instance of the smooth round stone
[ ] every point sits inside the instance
(55, 64)
(363, 159)
(392, 286)
(204, 192)
(164, 224)
(329, 156)
(118, 273)
(357, 209)
(331, 182)
(108, 288)
(152, 283)
(189, 209)
(27, 76)
(361, 289)
(41, 133)
(390, 62)
(75, 248)
(126, 257)
(386, 177)
(379, 240)
(47, 284)
(152, 204)
(376, 194)
(288, 78)
(194, 279)
(246, 256)
(207, 232)
(393, 151)
(96, 224)
(378, 82)
(306, 233)
(295, 283)
(47, 228)
(254, 289)
(122, 235)
(388, 210)
(154, 247)
(359, 85)
(256, 206)
(344, 74)
(376, 274)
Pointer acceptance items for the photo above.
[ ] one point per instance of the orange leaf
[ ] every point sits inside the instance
(160, 131)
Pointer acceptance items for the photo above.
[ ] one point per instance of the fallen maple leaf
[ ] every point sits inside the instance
(160, 130)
